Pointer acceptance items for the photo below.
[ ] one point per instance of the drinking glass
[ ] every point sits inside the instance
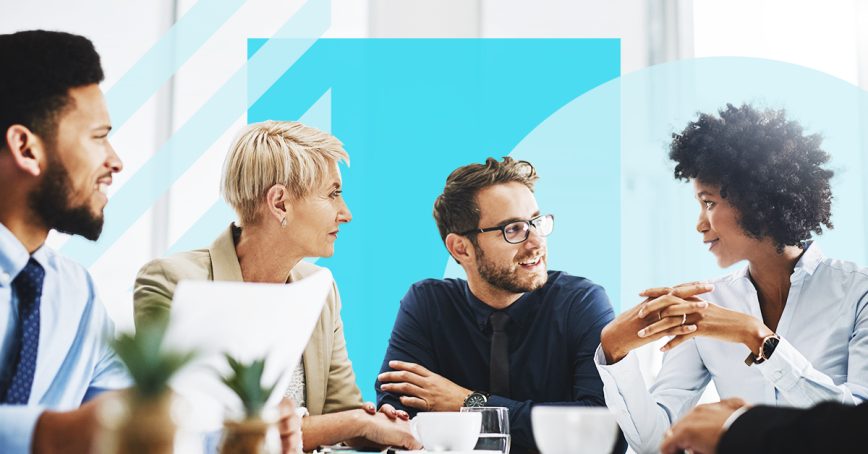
(494, 435)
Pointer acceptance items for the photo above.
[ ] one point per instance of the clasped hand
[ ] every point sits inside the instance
(679, 312)
(387, 427)
(710, 320)
(665, 312)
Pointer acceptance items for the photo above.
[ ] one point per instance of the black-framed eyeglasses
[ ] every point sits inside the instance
(517, 231)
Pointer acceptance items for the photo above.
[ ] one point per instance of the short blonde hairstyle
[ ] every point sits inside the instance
(276, 152)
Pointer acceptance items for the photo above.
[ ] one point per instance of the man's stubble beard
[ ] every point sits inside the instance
(51, 202)
(504, 277)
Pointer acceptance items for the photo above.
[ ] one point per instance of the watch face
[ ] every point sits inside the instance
(475, 400)
(769, 347)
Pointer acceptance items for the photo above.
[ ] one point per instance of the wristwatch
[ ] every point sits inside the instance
(768, 347)
(476, 399)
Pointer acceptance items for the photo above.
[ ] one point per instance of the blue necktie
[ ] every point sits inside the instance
(28, 288)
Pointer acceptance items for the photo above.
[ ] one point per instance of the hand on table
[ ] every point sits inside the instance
(387, 410)
(421, 388)
(289, 426)
(713, 322)
(663, 310)
(69, 431)
(381, 431)
(700, 430)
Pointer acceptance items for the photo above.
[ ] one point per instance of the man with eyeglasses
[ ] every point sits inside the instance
(513, 334)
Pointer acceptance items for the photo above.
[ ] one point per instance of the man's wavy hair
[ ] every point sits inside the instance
(456, 210)
(764, 166)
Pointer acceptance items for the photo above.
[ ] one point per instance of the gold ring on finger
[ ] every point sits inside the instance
(660, 315)
(684, 319)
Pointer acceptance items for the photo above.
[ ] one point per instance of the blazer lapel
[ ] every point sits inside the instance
(224, 260)
(314, 362)
(225, 267)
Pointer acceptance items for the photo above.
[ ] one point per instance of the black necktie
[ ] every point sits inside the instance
(28, 289)
(499, 367)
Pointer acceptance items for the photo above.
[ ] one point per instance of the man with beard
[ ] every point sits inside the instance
(55, 166)
(513, 334)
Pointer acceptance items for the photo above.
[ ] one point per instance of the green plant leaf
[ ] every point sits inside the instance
(246, 382)
(150, 368)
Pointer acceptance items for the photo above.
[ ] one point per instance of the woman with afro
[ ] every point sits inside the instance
(788, 329)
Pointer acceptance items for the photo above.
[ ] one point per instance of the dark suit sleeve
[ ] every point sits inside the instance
(410, 342)
(590, 312)
(828, 427)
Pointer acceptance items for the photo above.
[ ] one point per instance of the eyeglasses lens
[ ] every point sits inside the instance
(545, 225)
(516, 232)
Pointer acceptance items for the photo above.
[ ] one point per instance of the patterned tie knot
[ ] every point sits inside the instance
(29, 281)
(499, 320)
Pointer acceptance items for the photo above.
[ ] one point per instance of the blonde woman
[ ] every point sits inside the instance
(283, 182)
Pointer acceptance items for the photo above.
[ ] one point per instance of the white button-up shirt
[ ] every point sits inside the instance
(822, 356)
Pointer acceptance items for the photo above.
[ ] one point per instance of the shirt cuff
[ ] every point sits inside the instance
(17, 423)
(600, 357)
(623, 373)
(622, 381)
(786, 367)
(734, 416)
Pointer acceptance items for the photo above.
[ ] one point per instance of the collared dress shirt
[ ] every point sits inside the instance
(553, 333)
(822, 356)
(74, 361)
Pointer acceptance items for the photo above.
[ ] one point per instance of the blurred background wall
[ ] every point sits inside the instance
(828, 36)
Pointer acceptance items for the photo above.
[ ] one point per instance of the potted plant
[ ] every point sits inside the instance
(246, 436)
(139, 420)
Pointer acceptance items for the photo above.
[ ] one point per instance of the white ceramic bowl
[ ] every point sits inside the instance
(574, 430)
(447, 431)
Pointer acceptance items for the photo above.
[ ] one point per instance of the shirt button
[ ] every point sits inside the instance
(624, 412)
(4, 277)
(778, 374)
(626, 373)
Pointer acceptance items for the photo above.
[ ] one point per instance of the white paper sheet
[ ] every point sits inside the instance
(247, 321)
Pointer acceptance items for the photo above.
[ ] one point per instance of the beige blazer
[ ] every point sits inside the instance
(329, 378)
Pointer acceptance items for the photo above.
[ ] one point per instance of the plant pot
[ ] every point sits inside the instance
(133, 424)
(244, 437)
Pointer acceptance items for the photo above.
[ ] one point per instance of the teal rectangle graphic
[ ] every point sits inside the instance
(411, 111)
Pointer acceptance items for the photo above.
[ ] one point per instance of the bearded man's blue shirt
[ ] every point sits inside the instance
(74, 361)
(553, 333)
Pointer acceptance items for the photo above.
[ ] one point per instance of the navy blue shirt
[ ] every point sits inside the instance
(553, 334)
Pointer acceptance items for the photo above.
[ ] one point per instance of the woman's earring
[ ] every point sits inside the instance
(283, 223)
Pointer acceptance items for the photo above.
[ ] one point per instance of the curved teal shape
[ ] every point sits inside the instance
(659, 243)
(653, 216)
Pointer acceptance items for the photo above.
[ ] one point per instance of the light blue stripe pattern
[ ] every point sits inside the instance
(212, 120)
(205, 229)
(173, 49)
